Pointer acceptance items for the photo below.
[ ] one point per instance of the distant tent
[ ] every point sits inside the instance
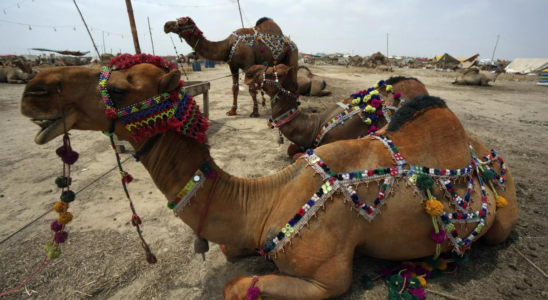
(461, 59)
(447, 59)
(527, 65)
(467, 64)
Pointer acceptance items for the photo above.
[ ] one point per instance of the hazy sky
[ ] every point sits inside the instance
(415, 27)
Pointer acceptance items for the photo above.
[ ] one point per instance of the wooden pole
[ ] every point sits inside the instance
(387, 46)
(242, 19)
(133, 28)
(87, 29)
(493, 57)
(150, 32)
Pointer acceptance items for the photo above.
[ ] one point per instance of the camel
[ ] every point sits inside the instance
(383, 68)
(13, 75)
(379, 59)
(315, 262)
(474, 77)
(305, 130)
(354, 61)
(311, 84)
(244, 48)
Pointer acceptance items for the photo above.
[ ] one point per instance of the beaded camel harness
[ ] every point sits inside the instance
(273, 42)
(418, 177)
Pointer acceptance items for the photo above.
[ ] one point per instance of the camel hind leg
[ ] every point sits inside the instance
(506, 217)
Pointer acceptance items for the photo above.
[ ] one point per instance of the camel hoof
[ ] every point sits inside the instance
(255, 115)
(231, 112)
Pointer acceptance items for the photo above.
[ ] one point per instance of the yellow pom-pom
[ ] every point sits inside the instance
(374, 93)
(60, 206)
(286, 41)
(388, 88)
(443, 264)
(367, 98)
(434, 207)
(259, 38)
(501, 202)
(65, 218)
(368, 121)
(423, 282)
(376, 85)
(54, 253)
(426, 267)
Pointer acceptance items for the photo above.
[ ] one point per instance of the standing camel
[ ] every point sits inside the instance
(263, 44)
(342, 121)
(315, 262)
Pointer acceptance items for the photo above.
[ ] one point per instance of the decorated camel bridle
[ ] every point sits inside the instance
(189, 29)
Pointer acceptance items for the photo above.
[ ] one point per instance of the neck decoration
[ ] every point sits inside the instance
(281, 90)
(174, 110)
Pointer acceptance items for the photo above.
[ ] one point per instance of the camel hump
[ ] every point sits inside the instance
(409, 111)
(262, 20)
(472, 70)
(395, 79)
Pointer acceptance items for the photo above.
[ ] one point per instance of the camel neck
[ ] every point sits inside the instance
(299, 129)
(242, 205)
(216, 51)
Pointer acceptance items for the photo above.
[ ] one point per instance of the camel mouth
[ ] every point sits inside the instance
(38, 90)
(49, 129)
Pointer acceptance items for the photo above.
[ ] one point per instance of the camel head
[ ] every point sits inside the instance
(255, 76)
(74, 93)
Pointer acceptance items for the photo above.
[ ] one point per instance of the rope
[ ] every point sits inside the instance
(204, 213)
(39, 270)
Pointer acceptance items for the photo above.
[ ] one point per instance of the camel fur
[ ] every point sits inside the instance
(244, 56)
(247, 212)
(311, 84)
(304, 128)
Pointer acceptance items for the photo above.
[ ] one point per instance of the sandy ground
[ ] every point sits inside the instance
(103, 259)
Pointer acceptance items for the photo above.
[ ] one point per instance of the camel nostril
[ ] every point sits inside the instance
(37, 90)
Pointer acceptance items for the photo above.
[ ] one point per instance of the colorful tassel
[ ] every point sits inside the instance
(56, 226)
(253, 293)
(434, 207)
(60, 207)
(501, 202)
(127, 177)
(65, 218)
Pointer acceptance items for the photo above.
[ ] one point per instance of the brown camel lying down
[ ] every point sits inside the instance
(311, 84)
(474, 77)
(305, 130)
(316, 261)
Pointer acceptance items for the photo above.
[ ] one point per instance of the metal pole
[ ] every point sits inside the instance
(241, 14)
(150, 32)
(87, 29)
(493, 57)
(133, 28)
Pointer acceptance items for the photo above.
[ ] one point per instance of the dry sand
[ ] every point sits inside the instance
(103, 259)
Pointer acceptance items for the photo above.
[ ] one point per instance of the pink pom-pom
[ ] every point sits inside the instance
(253, 293)
(406, 274)
(379, 112)
(111, 113)
(60, 237)
(55, 226)
(61, 151)
(128, 178)
(418, 292)
(70, 158)
(397, 96)
(135, 220)
(438, 238)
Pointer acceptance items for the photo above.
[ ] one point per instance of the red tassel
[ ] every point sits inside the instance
(128, 178)
(135, 220)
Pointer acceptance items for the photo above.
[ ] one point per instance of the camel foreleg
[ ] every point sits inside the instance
(330, 279)
(253, 93)
(235, 90)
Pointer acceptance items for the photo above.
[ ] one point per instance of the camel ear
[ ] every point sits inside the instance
(170, 81)
(251, 73)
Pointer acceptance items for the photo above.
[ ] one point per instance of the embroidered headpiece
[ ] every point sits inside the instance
(190, 28)
(175, 110)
